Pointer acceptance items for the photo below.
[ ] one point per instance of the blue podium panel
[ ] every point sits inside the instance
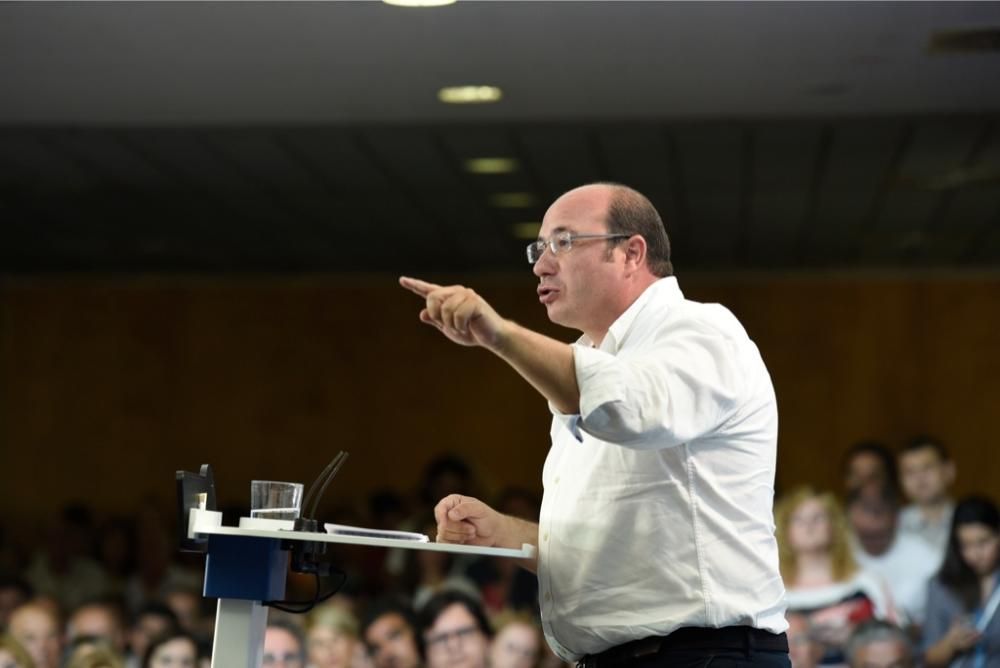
(245, 567)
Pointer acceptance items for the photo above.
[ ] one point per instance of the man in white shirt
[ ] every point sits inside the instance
(905, 562)
(656, 536)
(925, 474)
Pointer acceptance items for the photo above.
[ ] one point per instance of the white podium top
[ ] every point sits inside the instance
(207, 522)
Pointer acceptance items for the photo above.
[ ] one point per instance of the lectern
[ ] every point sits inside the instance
(247, 565)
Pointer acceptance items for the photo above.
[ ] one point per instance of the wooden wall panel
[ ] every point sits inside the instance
(109, 385)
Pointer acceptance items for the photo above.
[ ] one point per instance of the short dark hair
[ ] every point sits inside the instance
(392, 605)
(878, 450)
(444, 600)
(630, 213)
(924, 441)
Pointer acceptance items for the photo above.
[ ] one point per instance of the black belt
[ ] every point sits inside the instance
(744, 638)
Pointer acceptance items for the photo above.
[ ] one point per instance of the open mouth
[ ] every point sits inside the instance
(547, 294)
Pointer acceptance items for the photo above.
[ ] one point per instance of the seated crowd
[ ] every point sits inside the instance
(891, 572)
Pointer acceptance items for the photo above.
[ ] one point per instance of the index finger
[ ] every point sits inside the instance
(416, 286)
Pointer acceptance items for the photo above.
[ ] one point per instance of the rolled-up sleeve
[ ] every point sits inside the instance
(681, 387)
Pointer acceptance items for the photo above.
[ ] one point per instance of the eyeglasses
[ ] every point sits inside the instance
(560, 242)
(442, 639)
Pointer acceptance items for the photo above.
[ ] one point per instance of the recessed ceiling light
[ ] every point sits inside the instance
(491, 165)
(527, 231)
(419, 3)
(470, 94)
(512, 200)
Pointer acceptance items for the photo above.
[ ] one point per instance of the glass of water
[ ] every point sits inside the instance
(274, 500)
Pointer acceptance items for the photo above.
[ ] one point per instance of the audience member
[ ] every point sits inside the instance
(284, 645)
(455, 631)
(906, 563)
(868, 463)
(13, 654)
(803, 649)
(65, 569)
(173, 649)
(925, 474)
(98, 619)
(517, 641)
(152, 621)
(38, 629)
(332, 638)
(823, 582)
(14, 592)
(80, 649)
(389, 631)
(186, 604)
(878, 644)
(962, 626)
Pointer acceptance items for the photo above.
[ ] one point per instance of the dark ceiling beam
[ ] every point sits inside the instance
(395, 180)
(741, 247)
(679, 228)
(867, 224)
(821, 166)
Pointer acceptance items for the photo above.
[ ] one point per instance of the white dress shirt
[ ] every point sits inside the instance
(657, 512)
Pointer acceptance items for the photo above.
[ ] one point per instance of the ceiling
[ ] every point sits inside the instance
(301, 137)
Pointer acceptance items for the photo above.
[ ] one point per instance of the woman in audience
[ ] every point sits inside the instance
(332, 639)
(172, 650)
(517, 642)
(962, 626)
(822, 580)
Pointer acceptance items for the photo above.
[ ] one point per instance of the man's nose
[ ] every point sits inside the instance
(545, 265)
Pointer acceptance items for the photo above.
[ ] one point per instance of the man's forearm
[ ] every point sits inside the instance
(545, 363)
(517, 532)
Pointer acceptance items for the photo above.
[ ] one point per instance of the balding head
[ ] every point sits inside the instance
(623, 210)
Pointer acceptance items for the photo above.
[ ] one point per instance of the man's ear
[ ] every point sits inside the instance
(635, 252)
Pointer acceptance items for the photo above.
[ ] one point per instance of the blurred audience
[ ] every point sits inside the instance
(455, 631)
(962, 625)
(803, 649)
(13, 654)
(284, 645)
(878, 644)
(154, 620)
(823, 582)
(868, 463)
(14, 592)
(100, 619)
(850, 576)
(332, 639)
(389, 631)
(926, 472)
(517, 641)
(38, 629)
(905, 562)
(172, 649)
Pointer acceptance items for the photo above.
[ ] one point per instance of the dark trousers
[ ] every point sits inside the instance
(730, 647)
(717, 658)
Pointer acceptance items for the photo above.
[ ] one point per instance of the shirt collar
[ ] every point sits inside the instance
(665, 289)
